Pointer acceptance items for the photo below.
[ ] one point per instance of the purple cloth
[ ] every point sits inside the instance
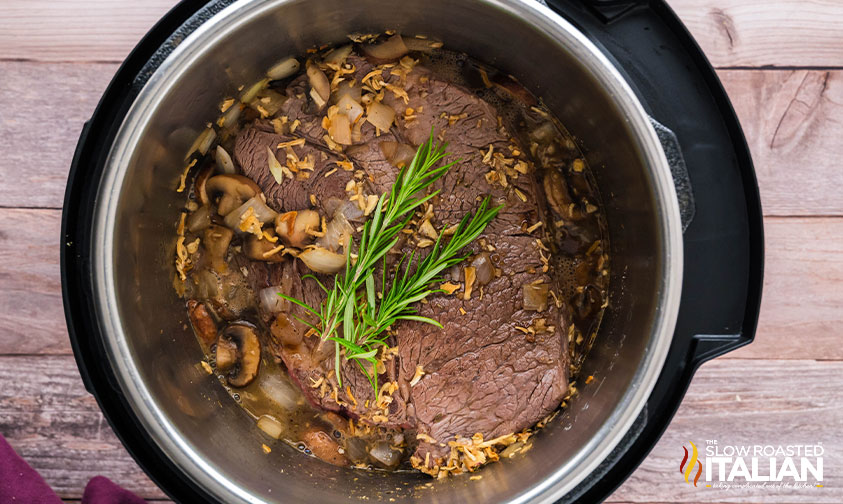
(21, 484)
(101, 490)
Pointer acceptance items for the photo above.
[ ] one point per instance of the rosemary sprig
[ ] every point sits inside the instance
(349, 305)
(368, 329)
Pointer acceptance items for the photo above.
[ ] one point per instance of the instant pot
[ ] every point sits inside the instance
(624, 76)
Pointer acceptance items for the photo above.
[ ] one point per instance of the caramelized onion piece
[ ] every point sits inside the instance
(262, 212)
(390, 49)
(484, 269)
(322, 260)
(380, 116)
(349, 107)
(318, 82)
(293, 227)
(199, 220)
(283, 69)
(535, 296)
(270, 426)
(340, 129)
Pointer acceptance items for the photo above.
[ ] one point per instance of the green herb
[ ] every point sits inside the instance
(352, 302)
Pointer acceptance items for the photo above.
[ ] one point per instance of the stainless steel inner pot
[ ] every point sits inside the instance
(149, 344)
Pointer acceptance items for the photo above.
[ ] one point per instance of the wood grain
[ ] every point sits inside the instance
(791, 120)
(752, 33)
(800, 315)
(44, 107)
(748, 402)
(802, 306)
(55, 425)
(76, 30)
(31, 312)
(732, 32)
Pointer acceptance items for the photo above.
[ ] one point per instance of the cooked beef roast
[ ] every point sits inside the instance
(449, 399)
(494, 368)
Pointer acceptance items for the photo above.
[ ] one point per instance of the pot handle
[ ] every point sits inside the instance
(679, 172)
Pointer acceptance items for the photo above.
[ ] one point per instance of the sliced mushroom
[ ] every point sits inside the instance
(230, 191)
(202, 322)
(293, 227)
(556, 191)
(216, 241)
(238, 354)
(259, 249)
(200, 184)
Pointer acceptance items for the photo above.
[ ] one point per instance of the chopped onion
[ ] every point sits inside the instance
(380, 115)
(390, 49)
(535, 296)
(402, 156)
(262, 212)
(348, 88)
(293, 226)
(350, 210)
(202, 143)
(318, 81)
(280, 391)
(283, 69)
(485, 270)
(383, 453)
(268, 102)
(322, 260)
(274, 166)
(200, 219)
(224, 160)
(229, 118)
(337, 233)
(340, 129)
(271, 301)
(512, 449)
(338, 54)
(270, 426)
(252, 91)
(349, 107)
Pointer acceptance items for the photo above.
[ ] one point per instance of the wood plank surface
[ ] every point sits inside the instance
(802, 293)
(44, 106)
(791, 120)
(753, 33)
(732, 32)
(49, 418)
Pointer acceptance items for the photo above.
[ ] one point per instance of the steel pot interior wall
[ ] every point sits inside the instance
(149, 341)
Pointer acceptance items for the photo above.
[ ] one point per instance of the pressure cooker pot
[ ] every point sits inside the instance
(666, 229)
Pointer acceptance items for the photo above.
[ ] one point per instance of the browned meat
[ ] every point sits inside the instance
(495, 368)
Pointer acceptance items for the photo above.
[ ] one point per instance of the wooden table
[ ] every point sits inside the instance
(782, 64)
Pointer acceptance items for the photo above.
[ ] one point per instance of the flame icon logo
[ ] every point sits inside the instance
(689, 468)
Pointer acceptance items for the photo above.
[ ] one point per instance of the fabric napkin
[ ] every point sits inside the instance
(21, 484)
